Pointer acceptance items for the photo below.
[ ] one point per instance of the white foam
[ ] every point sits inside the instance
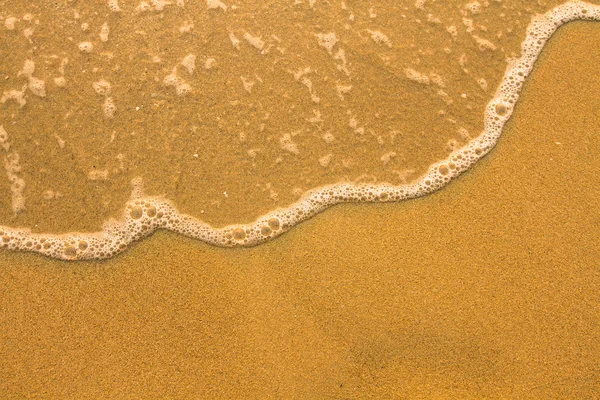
(109, 108)
(287, 143)
(209, 63)
(235, 42)
(474, 7)
(60, 81)
(28, 68)
(248, 84)
(254, 41)
(86, 47)
(483, 43)
(102, 87)
(16, 95)
(113, 5)
(4, 143)
(189, 63)
(9, 23)
(159, 5)
(13, 168)
(104, 32)
(325, 160)
(327, 40)
(380, 38)
(97, 174)
(17, 184)
(417, 76)
(186, 27)
(144, 215)
(216, 4)
(182, 88)
(37, 86)
(143, 7)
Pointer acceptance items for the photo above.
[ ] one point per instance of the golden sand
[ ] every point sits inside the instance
(486, 289)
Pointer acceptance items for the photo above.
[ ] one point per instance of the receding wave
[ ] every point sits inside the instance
(145, 214)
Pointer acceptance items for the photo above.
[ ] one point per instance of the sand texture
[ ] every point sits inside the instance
(486, 289)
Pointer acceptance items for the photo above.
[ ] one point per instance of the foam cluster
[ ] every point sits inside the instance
(173, 80)
(143, 215)
(104, 32)
(86, 47)
(103, 88)
(113, 5)
(36, 86)
(13, 169)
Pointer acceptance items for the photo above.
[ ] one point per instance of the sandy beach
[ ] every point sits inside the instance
(485, 289)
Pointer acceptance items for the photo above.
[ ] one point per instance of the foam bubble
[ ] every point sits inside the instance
(136, 212)
(28, 33)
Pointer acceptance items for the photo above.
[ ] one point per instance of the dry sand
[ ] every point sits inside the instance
(486, 289)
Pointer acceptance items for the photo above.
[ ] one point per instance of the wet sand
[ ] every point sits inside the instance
(488, 288)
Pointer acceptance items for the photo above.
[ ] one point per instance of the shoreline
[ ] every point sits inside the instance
(144, 215)
(487, 289)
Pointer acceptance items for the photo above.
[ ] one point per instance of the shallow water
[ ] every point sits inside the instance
(231, 111)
